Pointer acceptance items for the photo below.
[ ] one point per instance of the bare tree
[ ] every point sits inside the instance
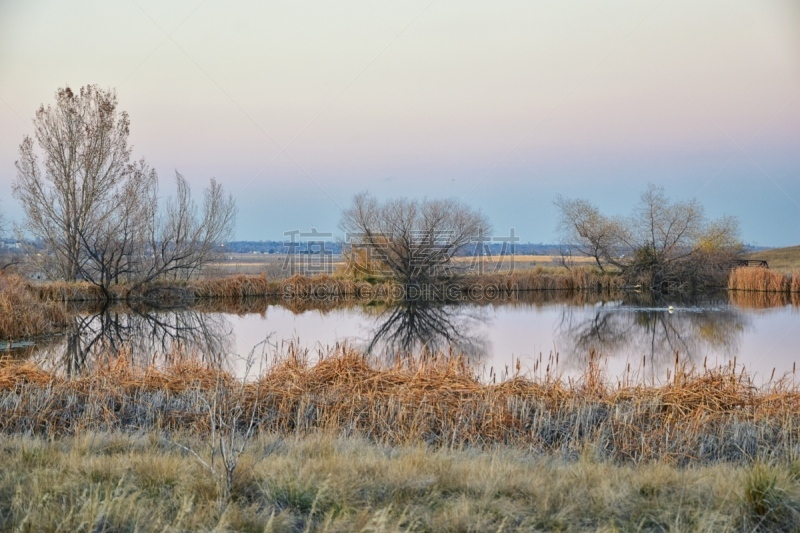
(583, 228)
(415, 240)
(85, 162)
(667, 230)
(676, 247)
(666, 244)
(112, 243)
(97, 213)
(182, 239)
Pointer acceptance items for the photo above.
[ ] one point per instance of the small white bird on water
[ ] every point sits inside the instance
(670, 309)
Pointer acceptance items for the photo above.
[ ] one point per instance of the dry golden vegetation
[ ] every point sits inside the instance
(144, 481)
(763, 279)
(24, 316)
(333, 288)
(785, 259)
(474, 287)
(542, 279)
(303, 287)
(420, 445)
(696, 418)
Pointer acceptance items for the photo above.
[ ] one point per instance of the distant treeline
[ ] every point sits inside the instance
(306, 245)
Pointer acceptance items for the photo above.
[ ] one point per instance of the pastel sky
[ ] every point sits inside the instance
(296, 106)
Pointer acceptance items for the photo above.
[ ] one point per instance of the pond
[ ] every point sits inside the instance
(633, 336)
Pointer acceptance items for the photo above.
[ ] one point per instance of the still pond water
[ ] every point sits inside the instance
(636, 337)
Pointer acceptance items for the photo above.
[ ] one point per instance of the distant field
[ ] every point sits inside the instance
(787, 259)
(279, 265)
(273, 265)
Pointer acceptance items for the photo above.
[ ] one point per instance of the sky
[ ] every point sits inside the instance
(296, 106)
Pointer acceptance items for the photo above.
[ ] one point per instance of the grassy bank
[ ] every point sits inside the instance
(145, 482)
(327, 287)
(697, 418)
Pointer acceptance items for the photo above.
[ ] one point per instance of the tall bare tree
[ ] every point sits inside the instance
(665, 229)
(414, 239)
(97, 213)
(85, 162)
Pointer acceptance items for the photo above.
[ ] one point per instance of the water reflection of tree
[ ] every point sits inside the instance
(418, 327)
(647, 330)
(145, 336)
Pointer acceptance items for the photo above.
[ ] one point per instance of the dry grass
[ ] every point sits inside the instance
(696, 418)
(541, 279)
(22, 315)
(65, 291)
(417, 445)
(142, 482)
(785, 259)
(298, 293)
(335, 287)
(235, 287)
(277, 266)
(521, 263)
(763, 279)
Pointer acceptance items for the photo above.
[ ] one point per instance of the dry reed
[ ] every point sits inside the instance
(764, 280)
(337, 288)
(698, 417)
(22, 315)
(576, 279)
(65, 291)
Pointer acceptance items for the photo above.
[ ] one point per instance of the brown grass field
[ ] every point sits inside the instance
(336, 288)
(276, 266)
(783, 259)
(420, 445)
